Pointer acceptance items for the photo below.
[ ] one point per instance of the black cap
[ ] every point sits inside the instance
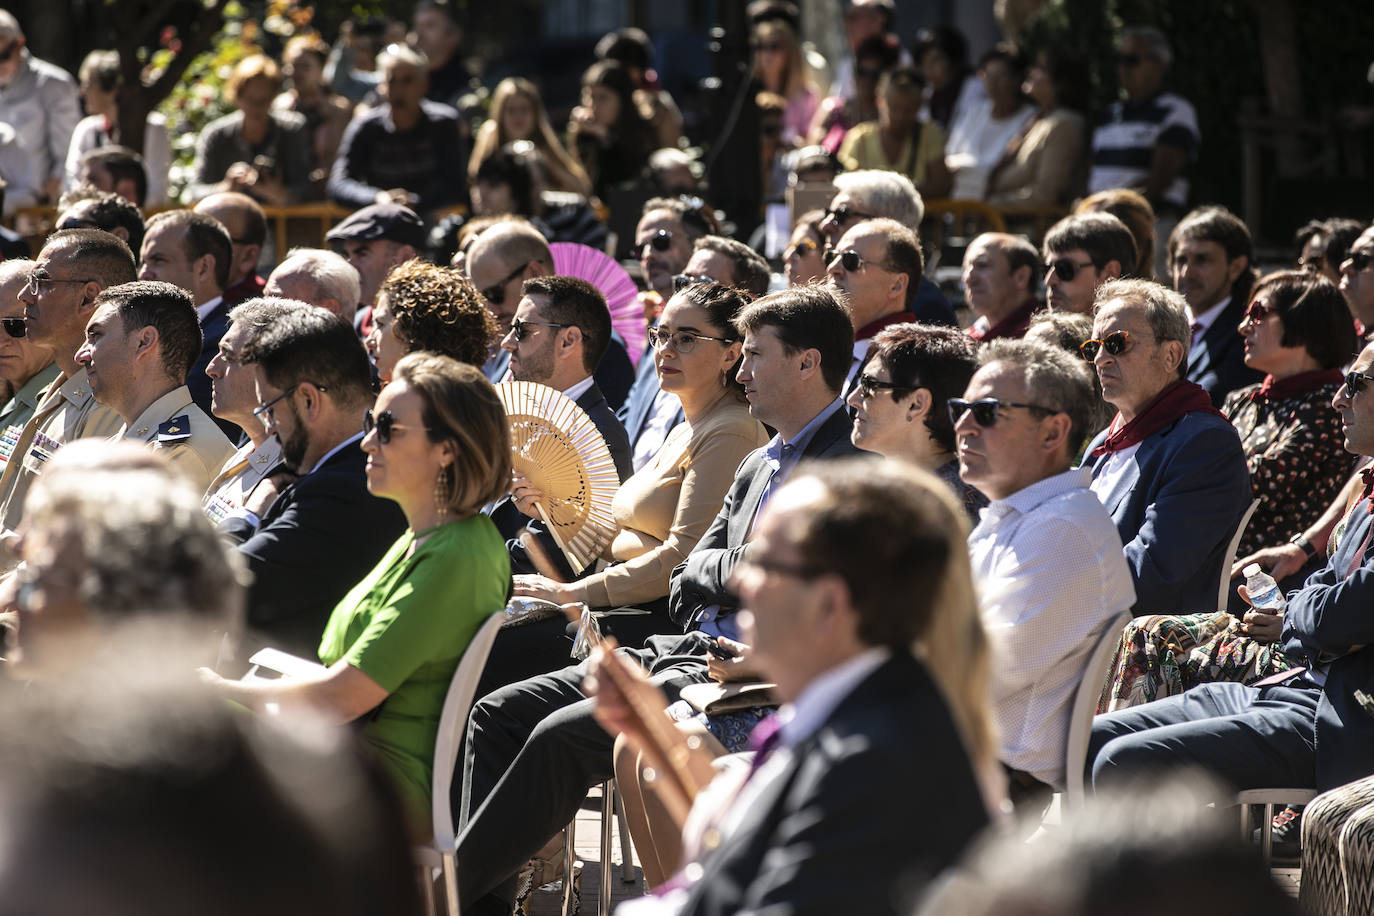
(391, 222)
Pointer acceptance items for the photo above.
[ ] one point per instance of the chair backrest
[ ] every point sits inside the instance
(1085, 707)
(1224, 593)
(452, 721)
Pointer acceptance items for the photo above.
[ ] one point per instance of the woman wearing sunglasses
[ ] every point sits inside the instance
(665, 508)
(1297, 330)
(900, 400)
(802, 261)
(424, 307)
(437, 445)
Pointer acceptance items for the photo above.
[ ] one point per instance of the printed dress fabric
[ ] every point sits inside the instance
(1298, 464)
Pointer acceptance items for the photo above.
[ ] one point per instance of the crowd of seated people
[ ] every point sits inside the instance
(898, 524)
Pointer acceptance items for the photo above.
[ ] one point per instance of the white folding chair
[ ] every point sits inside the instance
(1268, 798)
(1085, 707)
(1224, 593)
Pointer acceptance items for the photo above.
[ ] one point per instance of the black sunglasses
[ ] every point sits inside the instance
(682, 281)
(384, 423)
(496, 294)
(15, 327)
(844, 213)
(985, 409)
(1354, 382)
(852, 261)
(520, 328)
(1359, 260)
(661, 240)
(1066, 268)
(870, 386)
(1114, 343)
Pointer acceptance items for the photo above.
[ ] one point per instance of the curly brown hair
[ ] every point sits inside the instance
(436, 309)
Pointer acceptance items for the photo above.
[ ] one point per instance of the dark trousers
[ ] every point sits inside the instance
(1249, 737)
(533, 750)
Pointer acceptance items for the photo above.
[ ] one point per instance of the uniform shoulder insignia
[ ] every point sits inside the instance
(175, 431)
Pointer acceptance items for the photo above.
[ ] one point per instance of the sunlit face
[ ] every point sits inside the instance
(769, 374)
(532, 358)
(1203, 273)
(1357, 284)
(988, 282)
(1074, 295)
(1262, 328)
(882, 424)
(405, 467)
(233, 389)
(373, 261)
(283, 420)
(384, 345)
(995, 458)
(1357, 408)
(660, 266)
(107, 356)
(802, 261)
(705, 367)
(20, 358)
(874, 289)
(844, 211)
(55, 302)
(165, 257)
(1136, 375)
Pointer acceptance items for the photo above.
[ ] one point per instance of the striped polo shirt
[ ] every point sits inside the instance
(1124, 145)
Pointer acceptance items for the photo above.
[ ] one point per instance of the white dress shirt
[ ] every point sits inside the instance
(1050, 572)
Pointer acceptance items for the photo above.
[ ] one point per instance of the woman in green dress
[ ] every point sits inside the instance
(437, 444)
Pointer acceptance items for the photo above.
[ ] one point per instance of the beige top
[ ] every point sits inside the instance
(863, 149)
(67, 411)
(666, 507)
(1049, 168)
(176, 427)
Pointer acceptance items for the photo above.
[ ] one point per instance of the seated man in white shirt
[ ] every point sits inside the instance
(1046, 556)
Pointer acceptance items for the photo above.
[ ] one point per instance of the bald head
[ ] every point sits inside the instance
(999, 274)
(247, 225)
(501, 259)
(317, 277)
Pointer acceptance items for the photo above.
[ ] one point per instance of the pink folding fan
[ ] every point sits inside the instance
(601, 270)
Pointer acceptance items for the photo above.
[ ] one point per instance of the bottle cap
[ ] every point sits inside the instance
(1252, 570)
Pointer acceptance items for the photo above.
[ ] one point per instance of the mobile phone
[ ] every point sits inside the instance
(710, 645)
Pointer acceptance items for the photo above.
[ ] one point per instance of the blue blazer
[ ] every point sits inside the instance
(1217, 360)
(1176, 510)
(832, 832)
(1326, 619)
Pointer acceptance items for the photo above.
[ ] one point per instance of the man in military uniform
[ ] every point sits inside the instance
(140, 343)
(233, 397)
(73, 268)
(26, 367)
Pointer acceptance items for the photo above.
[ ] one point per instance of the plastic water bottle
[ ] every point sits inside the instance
(1263, 590)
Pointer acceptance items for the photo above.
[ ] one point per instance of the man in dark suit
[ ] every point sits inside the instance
(310, 534)
(1209, 254)
(534, 748)
(1304, 728)
(829, 796)
(1169, 468)
(193, 251)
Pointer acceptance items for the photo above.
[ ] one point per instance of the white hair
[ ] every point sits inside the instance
(330, 274)
(885, 194)
(9, 26)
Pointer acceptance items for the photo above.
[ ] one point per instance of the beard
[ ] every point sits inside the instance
(294, 447)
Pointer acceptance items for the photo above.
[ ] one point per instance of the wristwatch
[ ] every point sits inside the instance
(1304, 545)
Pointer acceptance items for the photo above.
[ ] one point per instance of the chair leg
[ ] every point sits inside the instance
(449, 874)
(1246, 827)
(569, 856)
(607, 817)
(627, 865)
(427, 888)
(1267, 836)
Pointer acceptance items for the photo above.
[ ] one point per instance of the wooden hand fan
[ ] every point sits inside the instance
(558, 447)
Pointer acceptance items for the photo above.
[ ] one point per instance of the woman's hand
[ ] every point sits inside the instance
(240, 177)
(524, 495)
(1280, 562)
(582, 122)
(739, 668)
(542, 587)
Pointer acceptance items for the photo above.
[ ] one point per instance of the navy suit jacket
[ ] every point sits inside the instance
(1217, 360)
(324, 533)
(640, 400)
(930, 305)
(1325, 621)
(212, 329)
(833, 832)
(510, 521)
(701, 581)
(1176, 510)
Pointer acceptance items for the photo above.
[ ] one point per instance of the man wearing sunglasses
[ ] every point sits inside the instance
(1210, 253)
(1169, 468)
(875, 268)
(310, 534)
(1357, 278)
(26, 367)
(140, 344)
(999, 283)
(1046, 555)
(1307, 727)
(73, 268)
(1082, 252)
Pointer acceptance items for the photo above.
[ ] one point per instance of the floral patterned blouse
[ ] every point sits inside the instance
(1296, 455)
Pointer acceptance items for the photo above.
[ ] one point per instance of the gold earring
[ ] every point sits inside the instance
(442, 491)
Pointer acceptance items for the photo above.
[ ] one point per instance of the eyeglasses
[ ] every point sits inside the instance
(1359, 260)
(36, 282)
(682, 281)
(985, 410)
(852, 261)
(869, 386)
(496, 294)
(844, 213)
(1257, 312)
(683, 341)
(800, 250)
(1066, 268)
(661, 240)
(384, 423)
(1115, 343)
(1354, 382)
(264, 412)
(15, 327)
(520, 328)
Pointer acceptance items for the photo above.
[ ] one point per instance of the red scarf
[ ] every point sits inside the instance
(870, 330)
(1013, 326)
(1295, 385)
(1182, 397)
